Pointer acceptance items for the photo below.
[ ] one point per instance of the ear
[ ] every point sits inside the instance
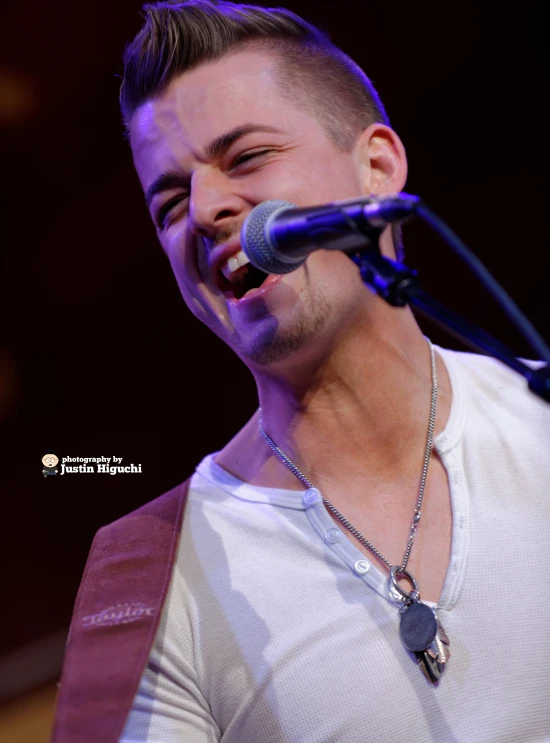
(381, 160)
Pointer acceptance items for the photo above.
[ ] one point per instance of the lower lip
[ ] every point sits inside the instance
(257, 294)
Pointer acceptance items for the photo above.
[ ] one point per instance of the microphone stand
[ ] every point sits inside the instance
(398, 285)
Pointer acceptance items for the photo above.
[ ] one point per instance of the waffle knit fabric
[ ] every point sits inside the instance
(277, 629)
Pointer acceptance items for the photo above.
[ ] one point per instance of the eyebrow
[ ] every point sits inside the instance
(215, 148)
(221, 144)
(165, 181)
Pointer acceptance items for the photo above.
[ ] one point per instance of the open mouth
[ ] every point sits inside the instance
(240, 281)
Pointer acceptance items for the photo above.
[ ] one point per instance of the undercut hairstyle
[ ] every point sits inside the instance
(312, 73)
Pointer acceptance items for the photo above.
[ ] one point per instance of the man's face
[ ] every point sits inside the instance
(221, 140)
(49, 460)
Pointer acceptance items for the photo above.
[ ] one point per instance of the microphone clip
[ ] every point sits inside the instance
(393, 281)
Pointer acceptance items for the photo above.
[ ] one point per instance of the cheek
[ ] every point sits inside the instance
(183, 267)
(181, 253)
(316, 180)
(335, 275)
(189, 282)
(183, 256)
(202, 265)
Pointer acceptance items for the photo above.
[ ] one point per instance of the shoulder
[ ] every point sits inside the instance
(495, 390)
(487, 373)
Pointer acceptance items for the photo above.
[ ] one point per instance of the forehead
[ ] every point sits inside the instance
(201, 104)
(216, 94)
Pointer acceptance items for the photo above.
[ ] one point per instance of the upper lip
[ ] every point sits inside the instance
(218, 257)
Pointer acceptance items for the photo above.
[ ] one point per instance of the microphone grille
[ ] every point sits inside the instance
(254, 240)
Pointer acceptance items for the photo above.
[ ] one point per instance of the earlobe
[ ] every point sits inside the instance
(382, 160)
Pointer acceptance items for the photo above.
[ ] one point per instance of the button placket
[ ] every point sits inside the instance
(342, 546)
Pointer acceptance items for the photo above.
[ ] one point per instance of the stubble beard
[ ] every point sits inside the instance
(267, 344)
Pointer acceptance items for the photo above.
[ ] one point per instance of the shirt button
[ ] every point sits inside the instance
(332, 535)
(362, 566)
(311, 496)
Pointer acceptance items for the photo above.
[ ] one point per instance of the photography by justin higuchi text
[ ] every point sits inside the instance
(52, 465)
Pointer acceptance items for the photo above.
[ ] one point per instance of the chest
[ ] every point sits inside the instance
(385, 522)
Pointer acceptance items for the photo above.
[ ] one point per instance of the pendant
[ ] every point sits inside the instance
(420, 630)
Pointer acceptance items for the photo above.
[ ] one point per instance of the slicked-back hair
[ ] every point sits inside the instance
(312, 73)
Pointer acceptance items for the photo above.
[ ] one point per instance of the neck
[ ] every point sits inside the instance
(361, 414)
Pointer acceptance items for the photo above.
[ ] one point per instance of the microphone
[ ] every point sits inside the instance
(277, 237)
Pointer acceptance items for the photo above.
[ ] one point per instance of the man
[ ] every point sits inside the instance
(278, 622)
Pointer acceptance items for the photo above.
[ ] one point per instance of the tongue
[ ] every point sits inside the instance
(268, 278)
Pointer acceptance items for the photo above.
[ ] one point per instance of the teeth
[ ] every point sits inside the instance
(233, 263)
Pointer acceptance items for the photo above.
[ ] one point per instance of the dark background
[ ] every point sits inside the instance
(98, 353)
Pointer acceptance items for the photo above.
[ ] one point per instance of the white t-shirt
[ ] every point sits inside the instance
(277, 629)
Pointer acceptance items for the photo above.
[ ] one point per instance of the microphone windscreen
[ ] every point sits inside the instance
(255, 237)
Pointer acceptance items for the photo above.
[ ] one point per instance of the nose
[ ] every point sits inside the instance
(213, 205)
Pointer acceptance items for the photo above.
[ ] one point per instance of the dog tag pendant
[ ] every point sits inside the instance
(418, 627)
(421, 632)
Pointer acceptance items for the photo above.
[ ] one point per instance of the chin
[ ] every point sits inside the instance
(271, 340)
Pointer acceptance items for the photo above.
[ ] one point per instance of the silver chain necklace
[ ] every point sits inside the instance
(420, 630)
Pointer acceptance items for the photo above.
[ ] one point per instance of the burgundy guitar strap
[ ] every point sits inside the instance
(115, 620)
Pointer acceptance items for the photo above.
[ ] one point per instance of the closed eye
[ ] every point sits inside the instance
(166, 208)
(248, 156)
